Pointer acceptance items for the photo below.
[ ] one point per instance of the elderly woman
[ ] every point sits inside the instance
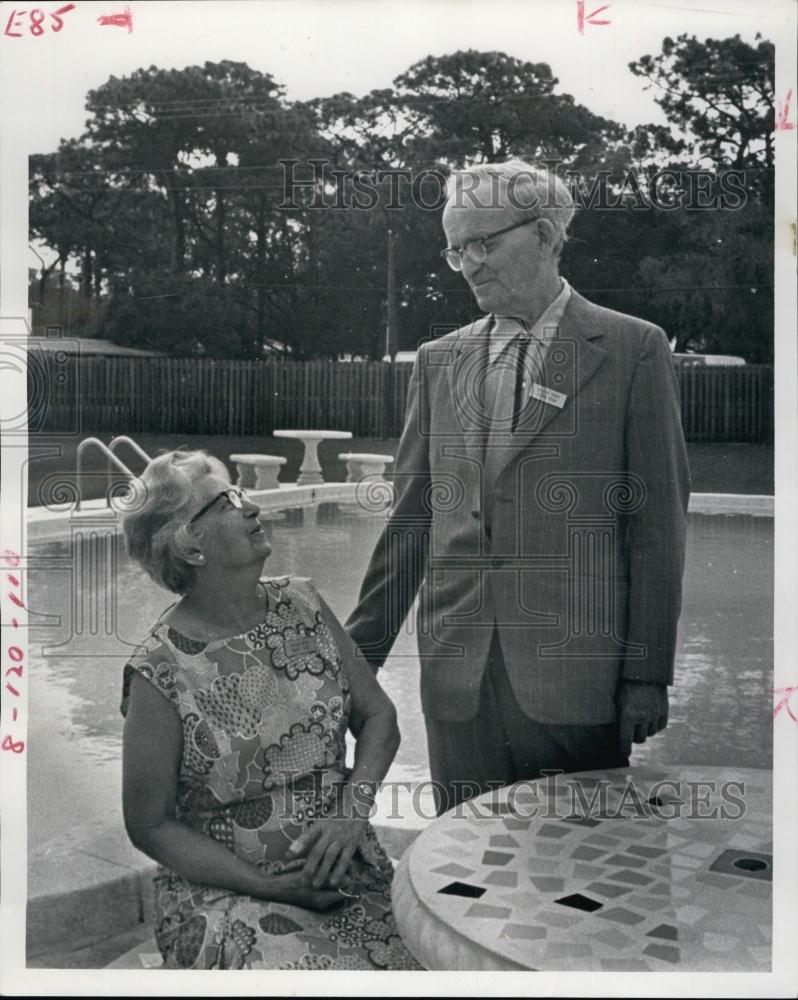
(236, 708)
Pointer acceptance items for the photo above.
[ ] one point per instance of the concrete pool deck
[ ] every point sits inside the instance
(89, 890)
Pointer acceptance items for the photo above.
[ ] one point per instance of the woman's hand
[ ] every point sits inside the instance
(292, 887)
(328, 848)
(153, 746)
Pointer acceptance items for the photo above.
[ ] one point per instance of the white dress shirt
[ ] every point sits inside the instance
(506, 328)
(508, 337)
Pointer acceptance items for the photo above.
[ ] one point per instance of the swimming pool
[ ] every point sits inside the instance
(720, 705)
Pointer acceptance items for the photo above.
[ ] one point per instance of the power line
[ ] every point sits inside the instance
(379, 289)
(248, 103)
(329, 166)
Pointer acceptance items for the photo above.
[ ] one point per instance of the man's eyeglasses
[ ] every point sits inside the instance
(477, 250)
(233, 494)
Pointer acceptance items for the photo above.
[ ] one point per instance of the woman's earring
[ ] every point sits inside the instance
(200, 558)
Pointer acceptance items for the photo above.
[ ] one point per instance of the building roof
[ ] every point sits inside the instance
(729, 360)
(87, 346)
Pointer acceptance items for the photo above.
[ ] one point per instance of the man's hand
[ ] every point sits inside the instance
(642, 711)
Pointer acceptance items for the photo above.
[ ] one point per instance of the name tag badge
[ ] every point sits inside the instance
(546, 395)
(300, 645)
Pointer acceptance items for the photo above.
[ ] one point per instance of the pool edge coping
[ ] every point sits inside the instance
(44, 522)
(753, 504)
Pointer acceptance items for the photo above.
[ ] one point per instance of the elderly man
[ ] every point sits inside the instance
(541, 496)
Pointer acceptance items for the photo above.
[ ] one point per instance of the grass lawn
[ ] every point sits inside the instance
(731, 468)
(715, 468)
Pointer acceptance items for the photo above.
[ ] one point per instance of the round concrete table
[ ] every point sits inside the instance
(310, 470)
(668, 869)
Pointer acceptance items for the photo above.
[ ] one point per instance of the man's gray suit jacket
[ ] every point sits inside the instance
(571, 546)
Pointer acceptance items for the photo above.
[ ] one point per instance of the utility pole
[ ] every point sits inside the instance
(391, 313)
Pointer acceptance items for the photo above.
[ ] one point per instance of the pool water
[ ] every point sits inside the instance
(720, 704)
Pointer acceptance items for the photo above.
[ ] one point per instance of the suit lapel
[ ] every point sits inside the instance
(571, 360)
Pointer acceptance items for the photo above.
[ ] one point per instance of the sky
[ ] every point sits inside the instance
(320, 47)
(316, 48)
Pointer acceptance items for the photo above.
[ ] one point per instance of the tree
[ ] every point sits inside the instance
(447, 112)
(718, 96)
(62, 305)
(206, 141)
(72, 206)
(174, 207)
(487, 106)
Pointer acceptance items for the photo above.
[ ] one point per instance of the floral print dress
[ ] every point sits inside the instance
(264, 718)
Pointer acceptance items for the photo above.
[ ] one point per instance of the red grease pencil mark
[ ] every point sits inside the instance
(56, 16)
(783, 123)
(15, 653)
(784, 702)
(124, 20)
(14, 22)
(36, 25)
(582, 19)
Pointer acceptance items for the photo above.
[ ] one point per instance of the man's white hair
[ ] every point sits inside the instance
(523, 187)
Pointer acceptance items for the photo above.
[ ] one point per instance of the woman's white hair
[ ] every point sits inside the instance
(164, 498)
(519, 185)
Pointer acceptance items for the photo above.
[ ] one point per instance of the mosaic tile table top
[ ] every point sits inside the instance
(633, 869)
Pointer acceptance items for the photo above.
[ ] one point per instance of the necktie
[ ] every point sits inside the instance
(520, 379)
(501, 399)
(508, 383)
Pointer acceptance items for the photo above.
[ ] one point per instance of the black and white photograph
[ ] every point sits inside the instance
(398, 552)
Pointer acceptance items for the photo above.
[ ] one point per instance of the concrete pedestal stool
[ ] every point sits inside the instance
(376, 495)
(362, 464)
(258, 472)
(310, 470)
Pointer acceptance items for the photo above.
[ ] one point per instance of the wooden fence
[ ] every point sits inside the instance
(727, 404)
(129, 395)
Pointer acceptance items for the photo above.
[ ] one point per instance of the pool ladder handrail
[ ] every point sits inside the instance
(107, 450)
(124, 439)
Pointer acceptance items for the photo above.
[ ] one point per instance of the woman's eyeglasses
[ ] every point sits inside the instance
(477, 250)
(234, 494)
